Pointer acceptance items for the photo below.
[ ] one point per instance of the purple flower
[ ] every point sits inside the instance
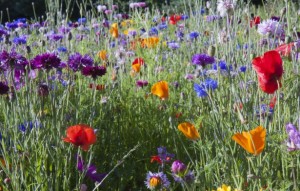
(178, 167)
(12, 60)
(211, 18)
(202, 59)
(189, 77)
(64, 30)
(76, 61)
(157, 181)
(91, 170)
(93, 71)
(270, 27)
(275, 18)
(141, 83)
(164, 155)
(173, 45)
(293, 141)
(3, 88)
(55, 37)
(46, 61)
(3, 32)
(186, 178)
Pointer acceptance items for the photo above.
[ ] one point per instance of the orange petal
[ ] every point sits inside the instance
(160, 89)
(252, 141)
(189, 130)
(136, 67)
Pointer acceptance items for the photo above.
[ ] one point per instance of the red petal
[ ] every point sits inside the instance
(285, 49)
(268, 86)
(269, 64)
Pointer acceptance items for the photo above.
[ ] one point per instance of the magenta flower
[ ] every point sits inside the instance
(178, 167)
(141, 83)
(76, 61)
(3, 88)
(93, 71)
(202, 59)
(45, 61)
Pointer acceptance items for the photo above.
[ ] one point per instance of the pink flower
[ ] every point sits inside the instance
(108, 11)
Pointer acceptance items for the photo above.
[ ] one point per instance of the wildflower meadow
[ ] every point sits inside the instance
(196, 95)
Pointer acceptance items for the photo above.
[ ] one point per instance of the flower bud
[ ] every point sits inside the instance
(178, 167)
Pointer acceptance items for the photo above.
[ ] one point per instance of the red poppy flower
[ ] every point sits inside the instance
(269, 70)
(174, 19)
(255, 21)
(156, 158)
(285, 49)
(136, 64)
(81, 135)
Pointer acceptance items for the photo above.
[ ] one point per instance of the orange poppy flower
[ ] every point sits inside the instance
(150, 42)
(160, 89)
(114, 30)
(81, 135)
(189, 130)
(102, 54)
(252, 141)
(136, 64)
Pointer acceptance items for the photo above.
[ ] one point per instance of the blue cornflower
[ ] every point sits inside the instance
(202, 88)
(223, 65)
(202, 11)
(62, 49)
(12, 25)
(21, 20)
(210, 84)
(19, 40)
(82, 20)
(184, 17)
(153, 32)
(28, 126)
(162, 26)
(193, 35)
(180, 34)
(243, 68)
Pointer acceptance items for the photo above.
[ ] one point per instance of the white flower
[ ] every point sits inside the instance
(270, 27)
(226, 7)
(101, 8)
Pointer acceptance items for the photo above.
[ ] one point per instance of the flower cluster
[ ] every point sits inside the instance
(180, 172)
